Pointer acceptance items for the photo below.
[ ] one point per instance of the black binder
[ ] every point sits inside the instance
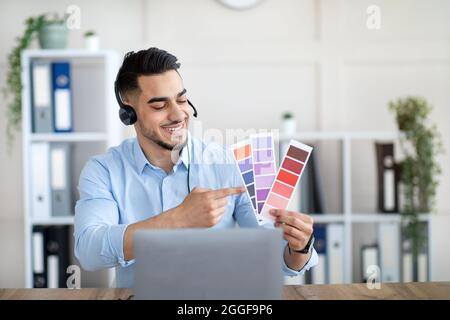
(57, 249)
(388, 178)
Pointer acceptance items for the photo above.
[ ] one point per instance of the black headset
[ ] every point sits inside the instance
(128, 117)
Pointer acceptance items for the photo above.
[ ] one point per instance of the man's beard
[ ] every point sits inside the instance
(152, 136)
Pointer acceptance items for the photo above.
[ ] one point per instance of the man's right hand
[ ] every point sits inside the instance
(204, 208)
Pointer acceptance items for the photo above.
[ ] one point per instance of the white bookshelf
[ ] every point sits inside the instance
(349, 217)
(96, 125)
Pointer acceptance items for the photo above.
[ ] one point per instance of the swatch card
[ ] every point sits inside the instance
(242, 153)
(264, 167)
(287, 178)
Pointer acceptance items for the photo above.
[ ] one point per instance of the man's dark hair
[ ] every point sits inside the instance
(144, 62)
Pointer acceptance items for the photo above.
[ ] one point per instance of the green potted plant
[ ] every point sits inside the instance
(419, 170)
(288, 125)
(91, 40)
(44, 27)
(53, 32)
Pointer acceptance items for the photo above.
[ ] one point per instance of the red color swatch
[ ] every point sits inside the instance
(287, 177)
(282, 189)
(292, 165)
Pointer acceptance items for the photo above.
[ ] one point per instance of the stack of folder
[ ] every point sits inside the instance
(51, 99)
(393, 255)
(51, 183)
(50, 247)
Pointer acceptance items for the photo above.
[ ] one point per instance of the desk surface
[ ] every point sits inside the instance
(423, 290)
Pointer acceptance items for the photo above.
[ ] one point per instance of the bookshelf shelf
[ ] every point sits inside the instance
(381, 217)
(362, 217)
(342, 135)
(67, 53)
(328, 218)
(95, 127)
(53, 221)
(70, 137)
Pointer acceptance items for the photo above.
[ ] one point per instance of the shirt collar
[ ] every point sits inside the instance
(141, 160)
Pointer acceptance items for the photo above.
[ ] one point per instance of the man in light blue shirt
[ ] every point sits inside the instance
(165, 178)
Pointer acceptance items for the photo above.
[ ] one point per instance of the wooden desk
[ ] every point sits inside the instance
(359, 291)
(423, 290)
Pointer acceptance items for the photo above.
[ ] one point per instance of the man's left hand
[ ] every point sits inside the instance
(297, 227)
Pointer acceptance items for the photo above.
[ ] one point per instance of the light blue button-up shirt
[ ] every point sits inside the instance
(121, 187)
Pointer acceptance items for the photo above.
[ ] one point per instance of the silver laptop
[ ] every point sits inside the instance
(208, 264)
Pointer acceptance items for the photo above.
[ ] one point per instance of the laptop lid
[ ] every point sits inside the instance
(208, 264)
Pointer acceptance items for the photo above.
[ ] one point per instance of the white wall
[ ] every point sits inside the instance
(244, 68)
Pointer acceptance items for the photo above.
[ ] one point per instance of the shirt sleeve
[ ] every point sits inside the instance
(98, 234)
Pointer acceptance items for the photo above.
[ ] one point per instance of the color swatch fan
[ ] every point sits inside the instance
(255, 159)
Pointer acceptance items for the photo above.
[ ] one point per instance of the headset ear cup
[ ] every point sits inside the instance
(127, 115)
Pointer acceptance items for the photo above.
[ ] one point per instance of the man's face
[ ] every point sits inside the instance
(162, 109)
